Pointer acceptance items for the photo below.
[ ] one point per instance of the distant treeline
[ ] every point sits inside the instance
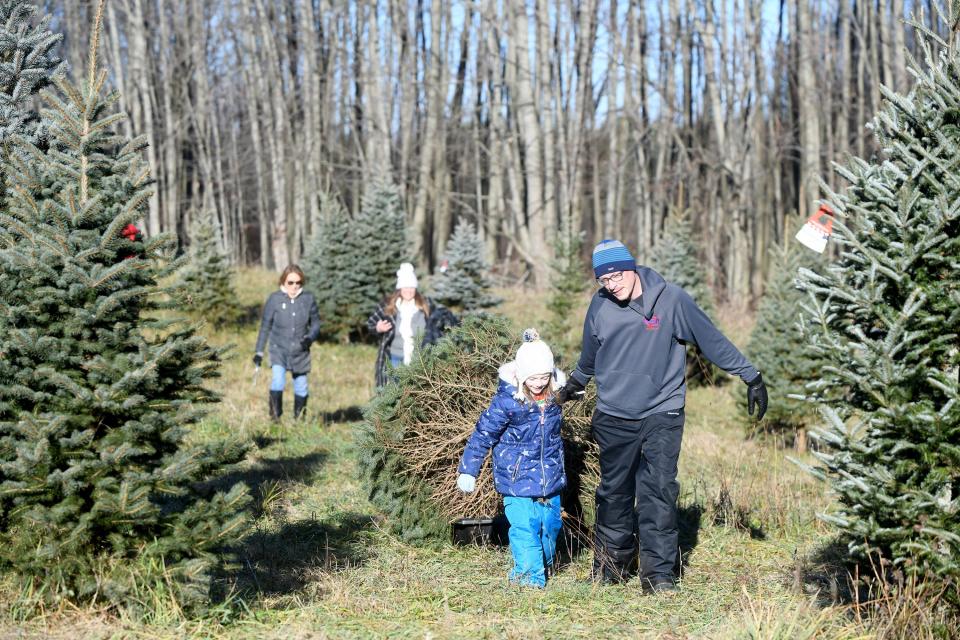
(531, 118)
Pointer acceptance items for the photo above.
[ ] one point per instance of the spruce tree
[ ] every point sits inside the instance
(206, 281)
(465, 284)
(779, 341)
(677, 258)
(885, 319)
(27, 62)
(377, 245)
(326, 261)
(100, 492)
(568, 286)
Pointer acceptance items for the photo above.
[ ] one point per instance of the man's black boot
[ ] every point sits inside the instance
(299, 405)
(276, 405)
(659, 584)
(607, 572)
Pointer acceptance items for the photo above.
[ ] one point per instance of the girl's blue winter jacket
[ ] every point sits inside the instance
(527, 449)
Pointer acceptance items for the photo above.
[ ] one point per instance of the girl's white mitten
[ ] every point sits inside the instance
(466, 483)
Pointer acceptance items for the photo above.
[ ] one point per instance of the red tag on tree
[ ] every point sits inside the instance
(817, 229)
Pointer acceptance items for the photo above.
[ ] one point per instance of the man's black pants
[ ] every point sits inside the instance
(637, 496)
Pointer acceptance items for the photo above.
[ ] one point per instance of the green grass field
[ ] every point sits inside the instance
(317, 562)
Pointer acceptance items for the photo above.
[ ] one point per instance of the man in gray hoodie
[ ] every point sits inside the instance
(634, 338)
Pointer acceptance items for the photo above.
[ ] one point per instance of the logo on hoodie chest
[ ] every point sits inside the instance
(653, 324)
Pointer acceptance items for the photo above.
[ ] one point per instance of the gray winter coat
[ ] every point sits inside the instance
(291, 326)
(636, 351)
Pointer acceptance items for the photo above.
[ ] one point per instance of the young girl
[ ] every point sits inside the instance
(522, 426)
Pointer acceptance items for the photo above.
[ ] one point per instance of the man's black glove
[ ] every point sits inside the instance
(257, 359)
(572, 390)
(757, 395)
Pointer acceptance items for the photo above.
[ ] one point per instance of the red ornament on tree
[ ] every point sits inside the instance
(131, 233)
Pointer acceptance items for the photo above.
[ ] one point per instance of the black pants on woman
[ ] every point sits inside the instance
(637, 496)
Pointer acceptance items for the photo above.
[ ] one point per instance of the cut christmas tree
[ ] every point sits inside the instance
(415, 431)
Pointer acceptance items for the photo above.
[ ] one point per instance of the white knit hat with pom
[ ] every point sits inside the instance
(406, 276)
(533, 357)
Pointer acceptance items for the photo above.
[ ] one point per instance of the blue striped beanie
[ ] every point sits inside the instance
(610, 256)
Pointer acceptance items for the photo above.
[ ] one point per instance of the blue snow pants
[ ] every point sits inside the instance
(534, 526)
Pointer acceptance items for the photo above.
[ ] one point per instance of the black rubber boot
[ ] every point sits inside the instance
(299, 406)
(610, 570)
(659, 584)
(276, 405)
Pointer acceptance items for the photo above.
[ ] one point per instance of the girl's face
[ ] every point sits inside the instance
(407, 293)
(538, 383)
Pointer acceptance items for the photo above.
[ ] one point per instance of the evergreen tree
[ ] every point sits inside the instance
(676, 257)
(464, 285)
(206, 286)
(885, 319)
(779, 343)
(377, 245)
(326, 261)
(27, 63)
(100, 494)
(569, 285)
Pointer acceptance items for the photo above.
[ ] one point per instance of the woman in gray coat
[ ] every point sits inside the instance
(291, 322)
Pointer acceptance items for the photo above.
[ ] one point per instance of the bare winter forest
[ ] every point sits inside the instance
(532, 118)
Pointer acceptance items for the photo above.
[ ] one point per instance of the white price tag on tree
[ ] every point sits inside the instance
(817, 229)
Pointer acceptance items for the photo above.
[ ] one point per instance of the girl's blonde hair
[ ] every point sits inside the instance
(390, 307)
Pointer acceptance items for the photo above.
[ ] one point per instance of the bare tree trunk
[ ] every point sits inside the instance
(143, 113)
(530, 139)
(249, 63)
(809, 114)
(846, 71)
(433, 75)
(712, 104)
(311, 98)
(583, 67)
(548, 109)
(611, 226)
(886, 43)
(635, 102)
(496, 129)
(377, 131)
(443, 164)
(898, 50)
(270, 66)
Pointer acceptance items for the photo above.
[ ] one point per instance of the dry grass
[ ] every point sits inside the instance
(318, 564)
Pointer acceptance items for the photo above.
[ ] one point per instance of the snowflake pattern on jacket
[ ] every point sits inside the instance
(527, 449)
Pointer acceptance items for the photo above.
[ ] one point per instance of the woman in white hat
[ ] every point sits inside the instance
(404, 320)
